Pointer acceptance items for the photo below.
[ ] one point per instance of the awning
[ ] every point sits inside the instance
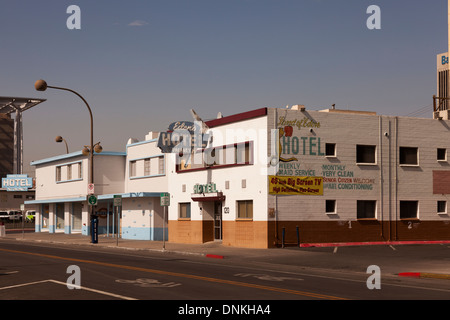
(205, 197)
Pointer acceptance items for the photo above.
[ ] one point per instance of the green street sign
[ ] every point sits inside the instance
(165, 199)
(117, 200)
(92, 200)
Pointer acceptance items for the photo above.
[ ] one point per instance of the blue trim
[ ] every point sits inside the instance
(75, 154)
(67, 163)
(37, 227)
(149, 157)
(52, 228)
(57, 158)
(80, 199)
(141, 142)
(71, 180)
(99, 197)
(110, 153)
(67, 230)
(149, 176)
(130, 195)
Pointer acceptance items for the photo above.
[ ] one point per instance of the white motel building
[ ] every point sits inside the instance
(266, 176)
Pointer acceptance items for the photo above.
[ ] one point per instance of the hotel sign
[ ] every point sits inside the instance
(205, 188)
(182, 134)
(17, 182)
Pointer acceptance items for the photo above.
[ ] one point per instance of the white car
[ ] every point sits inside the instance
(15, 215)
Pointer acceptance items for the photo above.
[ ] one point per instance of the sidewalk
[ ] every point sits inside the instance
(210, 249)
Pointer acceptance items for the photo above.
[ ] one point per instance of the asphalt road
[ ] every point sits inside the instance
(31, 271)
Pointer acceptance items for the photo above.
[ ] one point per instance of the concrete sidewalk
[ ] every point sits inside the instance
(211, 249)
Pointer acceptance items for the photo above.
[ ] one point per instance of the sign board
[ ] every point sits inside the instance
(165, 199)
(281, 185)
(90, 188)
(177, 131)
(205, 188)
(17, 182)
(92, 200)
(117, 201)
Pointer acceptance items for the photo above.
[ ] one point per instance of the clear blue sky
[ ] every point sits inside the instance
(211, 55)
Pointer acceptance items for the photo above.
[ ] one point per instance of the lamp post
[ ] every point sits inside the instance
(61, 139)
(41, 85)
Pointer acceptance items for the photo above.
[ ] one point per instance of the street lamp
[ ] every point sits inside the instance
(61, 139)
(41, 85)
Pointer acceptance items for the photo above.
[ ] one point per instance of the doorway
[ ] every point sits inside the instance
(217, 220)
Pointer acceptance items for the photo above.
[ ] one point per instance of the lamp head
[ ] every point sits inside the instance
(59, 139)
(85, 151)
(40, 85)
(98, 148)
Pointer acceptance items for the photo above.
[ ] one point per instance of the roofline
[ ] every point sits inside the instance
(237, 117)
(73, 155)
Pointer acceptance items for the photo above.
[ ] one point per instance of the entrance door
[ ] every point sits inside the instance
(217, 220)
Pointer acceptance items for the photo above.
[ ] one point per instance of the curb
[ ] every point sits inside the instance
(372, 243)
(424, 275)
(123, 248)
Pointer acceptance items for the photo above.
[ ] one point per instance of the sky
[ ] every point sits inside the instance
(142, 64)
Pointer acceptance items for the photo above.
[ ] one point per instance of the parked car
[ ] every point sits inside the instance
(4, 215)
(30, 216)
(15, 215)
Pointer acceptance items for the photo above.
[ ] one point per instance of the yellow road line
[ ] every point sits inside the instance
(183, 275)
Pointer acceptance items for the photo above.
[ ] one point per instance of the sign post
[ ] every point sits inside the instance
(22, 208)
(118, 209)
(164, 202)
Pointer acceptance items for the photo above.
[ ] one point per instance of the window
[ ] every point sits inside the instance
(185, 210)
(441, 154)
(78, 169)
(330, 149)
(442, 207)
(17, 196)
(160, 165)
(330, 206)
(242, 153)
(132, 168)
(69, 172)
(409, 209)
(366, 209)
(58, 173)
(245, 209)
(146, 167)
(409, 156)
(365, 154)
(235, 154)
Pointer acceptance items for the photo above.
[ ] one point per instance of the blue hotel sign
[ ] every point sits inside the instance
(17, 182)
